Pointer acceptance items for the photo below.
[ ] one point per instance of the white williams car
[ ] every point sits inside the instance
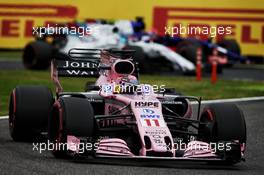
(152, 57)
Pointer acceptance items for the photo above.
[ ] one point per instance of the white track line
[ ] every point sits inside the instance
(3, 117)
(232, 100)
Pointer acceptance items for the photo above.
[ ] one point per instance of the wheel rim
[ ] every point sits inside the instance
(206, 130)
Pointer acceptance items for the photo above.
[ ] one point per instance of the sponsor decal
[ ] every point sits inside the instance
(150, 104)
(76, 73)
(156, 132)
(76, 68)
(246, 24)
(172, 102)
(18, 19)
(146, 89)
(78, 65)
(148, 111)
(94, 100)
(108, 89)
(152, 121)
(246, 19)
(150, 116)
(158, 140)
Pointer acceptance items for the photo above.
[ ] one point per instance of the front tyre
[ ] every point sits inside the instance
(224, 123)
(29, 109)
(71, 116)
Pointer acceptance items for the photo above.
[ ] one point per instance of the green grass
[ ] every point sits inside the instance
(221, 90)
(186, 85)
(11, 55)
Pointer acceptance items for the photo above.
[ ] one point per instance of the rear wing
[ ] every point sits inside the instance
(79, 63)
(84, 63)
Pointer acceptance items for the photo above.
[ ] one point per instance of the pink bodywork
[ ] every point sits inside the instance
(146, 126)
(149, 119)
(147, 110)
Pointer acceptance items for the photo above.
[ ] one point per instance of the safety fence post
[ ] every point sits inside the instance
(199, 64)
(214, 66)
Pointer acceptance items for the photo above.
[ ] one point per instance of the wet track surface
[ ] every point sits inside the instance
(19, 158)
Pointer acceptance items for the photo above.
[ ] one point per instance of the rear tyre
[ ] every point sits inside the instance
(232, 46)
(188, 49)
(70, 116)
(224, 123)
(29, 109)
(37, 55)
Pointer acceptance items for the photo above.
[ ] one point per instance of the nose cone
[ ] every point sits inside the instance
(153, 130)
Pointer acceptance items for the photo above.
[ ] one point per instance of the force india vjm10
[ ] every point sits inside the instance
(123, 121)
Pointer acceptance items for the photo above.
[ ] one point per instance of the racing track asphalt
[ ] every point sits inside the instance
(11, 65)
(18, 158)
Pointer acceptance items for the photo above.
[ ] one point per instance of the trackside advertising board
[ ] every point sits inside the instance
(246, 18)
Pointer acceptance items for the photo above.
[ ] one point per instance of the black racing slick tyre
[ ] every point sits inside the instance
(224, 124)
(37, 55)
(231, 45)
(71, 116)
(188, 48)
(29, 109)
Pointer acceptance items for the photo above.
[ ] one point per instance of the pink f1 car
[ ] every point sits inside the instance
(117, 117)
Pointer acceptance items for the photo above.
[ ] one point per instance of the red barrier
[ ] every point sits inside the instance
(214, 59)
(199, 64)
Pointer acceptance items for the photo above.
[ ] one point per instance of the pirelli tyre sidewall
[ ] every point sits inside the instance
(37, 55)
(29, 109)
(71, 116)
